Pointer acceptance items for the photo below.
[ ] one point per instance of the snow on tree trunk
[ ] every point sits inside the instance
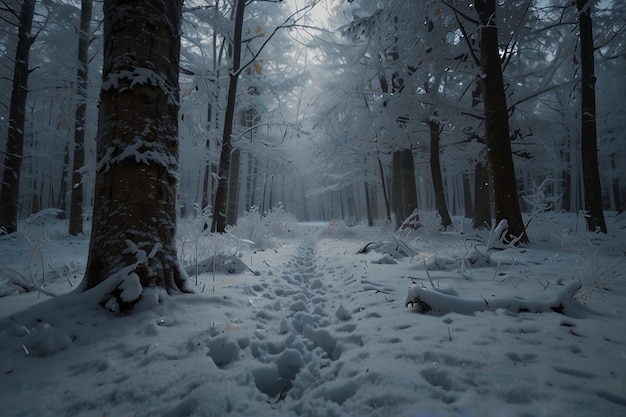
(589, 145)
(497, 138)
(76, 205)
(9, 197)
(134, 215)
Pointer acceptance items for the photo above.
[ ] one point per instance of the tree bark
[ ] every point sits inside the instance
(482, 198)
(76, 200)
(403, 188)
(396, 189)
(616, 188)
(467, 197)
(63, 193)
(134, 215)
(221, 194)
(10, 195)
(253, 177)
(435, 170)
(589, 142)
(368, 205)
(385, 192)
(497, 138)
(233, 187)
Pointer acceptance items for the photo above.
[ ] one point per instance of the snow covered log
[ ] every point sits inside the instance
(434, 302)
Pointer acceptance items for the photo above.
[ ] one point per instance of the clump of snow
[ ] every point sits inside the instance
(337, 230)
(44, 340)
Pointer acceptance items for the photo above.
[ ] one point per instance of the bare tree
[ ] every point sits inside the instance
(76, 205)
(589, 141)
(497, 138)
(9, 197)
(221, 194)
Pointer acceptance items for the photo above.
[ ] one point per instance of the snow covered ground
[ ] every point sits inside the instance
(314, 328)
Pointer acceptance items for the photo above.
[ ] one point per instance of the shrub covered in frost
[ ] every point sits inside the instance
(264, 229)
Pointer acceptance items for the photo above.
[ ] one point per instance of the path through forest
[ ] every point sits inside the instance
(315, 328)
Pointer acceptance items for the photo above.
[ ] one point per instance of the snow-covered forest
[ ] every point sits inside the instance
(316, 208)
(324, 104)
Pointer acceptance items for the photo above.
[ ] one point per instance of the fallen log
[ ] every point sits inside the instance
(433, 302)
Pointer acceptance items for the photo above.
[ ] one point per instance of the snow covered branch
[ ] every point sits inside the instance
(436, 302)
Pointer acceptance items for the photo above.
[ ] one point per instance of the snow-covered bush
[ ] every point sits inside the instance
(278, 222)
(263, 230)
(591, 262)
(539, 199)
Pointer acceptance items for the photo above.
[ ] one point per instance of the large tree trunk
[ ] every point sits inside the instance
(76, 204)
(497, 138)
(435, 170)
(221, 194)
(588, 143)
(10, 195)
(134, 216)
(617, 190)
(482, 197)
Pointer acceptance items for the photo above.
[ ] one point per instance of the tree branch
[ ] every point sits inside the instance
(466, 37)
(282, 26)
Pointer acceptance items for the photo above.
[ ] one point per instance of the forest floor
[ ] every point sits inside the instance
(312, 327)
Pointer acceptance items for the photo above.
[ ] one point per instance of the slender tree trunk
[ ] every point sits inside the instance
(589, 142)
(76, 201)
(134, 216)
(206, 188)
(208, 166)
(265, 181)
(497, 138)
(221, 195)
(10, 195)
(385, 193)
(233, 187)
(467, 196)
(396, 189)
(435, 170)
(62, 201)
(272, 203)
(403, 188)
(408, 186)
(368, 205)
(253, 177)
